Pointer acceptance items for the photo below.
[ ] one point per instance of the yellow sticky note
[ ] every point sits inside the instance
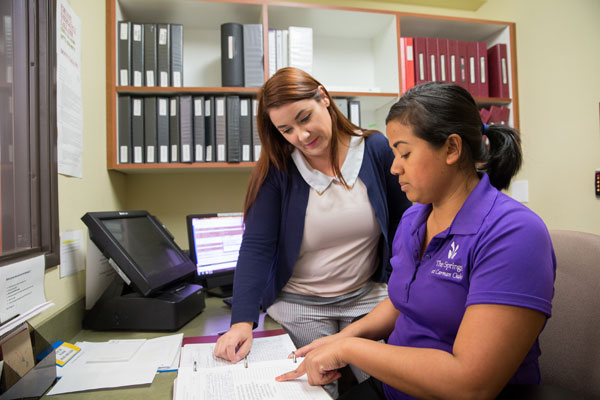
(65, 352)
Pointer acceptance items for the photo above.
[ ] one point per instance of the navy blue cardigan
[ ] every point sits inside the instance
(275, 225)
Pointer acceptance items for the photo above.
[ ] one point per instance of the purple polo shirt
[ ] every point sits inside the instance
(496, 251)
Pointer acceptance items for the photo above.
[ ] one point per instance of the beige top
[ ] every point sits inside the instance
(339, 244)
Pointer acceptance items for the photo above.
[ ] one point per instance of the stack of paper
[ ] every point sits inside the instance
(301, 48)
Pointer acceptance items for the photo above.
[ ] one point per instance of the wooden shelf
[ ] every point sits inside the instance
(181, 167)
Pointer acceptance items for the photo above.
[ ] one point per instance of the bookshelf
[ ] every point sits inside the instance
(355, 55)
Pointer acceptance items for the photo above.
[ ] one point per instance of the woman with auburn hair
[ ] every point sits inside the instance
(320, 212)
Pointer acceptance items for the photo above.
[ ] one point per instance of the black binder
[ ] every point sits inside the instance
(256, 146)
(164, 55)
(254, 75)
(124, 136)
(246, 129)
(209, 127)
(150, 131)
(163, 129)
(137, 55)
(185, 127)
(174, 130)
(232, 54)
(150, 58)
(124, 53)
(233, 128)
(220, 129)
(199, 133)
(176, 55)
(137, 129)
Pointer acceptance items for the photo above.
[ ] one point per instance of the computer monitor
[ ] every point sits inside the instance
(140, 249)
(215, 241)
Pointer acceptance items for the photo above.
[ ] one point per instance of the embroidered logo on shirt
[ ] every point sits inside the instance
(452, 252)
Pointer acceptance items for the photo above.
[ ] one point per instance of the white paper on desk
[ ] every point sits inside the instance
(116, 351)
(165, 348)
(9, 326)
(79, 375)
(263, 349)
(21, 287)
(252, 383)
(71, 252)
(98, 275)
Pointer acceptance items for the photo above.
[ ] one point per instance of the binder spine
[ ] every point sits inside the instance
(150, 57)
(256, 145)
(209, 126)
(245, 129)
(199, 132)
(124, 53)
(220, 129)
(137, 128)
(232, 54)
(124, 135)
(164, 53)
(163, 130)
(137, 55)
(176, 55)
(150, 132)
(254, 75)
(185, 125)
(174, 130)
(233, 129)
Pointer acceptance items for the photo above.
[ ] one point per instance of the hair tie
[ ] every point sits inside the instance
(485, 128)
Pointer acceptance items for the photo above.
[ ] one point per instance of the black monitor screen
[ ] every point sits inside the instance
(148, 248)
(215, 241)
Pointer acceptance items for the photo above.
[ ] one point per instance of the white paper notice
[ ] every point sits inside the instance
(98, 275)
(21, 287)
(71, 252)
(69, 110)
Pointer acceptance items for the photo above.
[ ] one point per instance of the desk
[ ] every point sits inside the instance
(214, 319)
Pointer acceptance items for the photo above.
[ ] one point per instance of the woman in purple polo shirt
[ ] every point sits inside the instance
(473, 270)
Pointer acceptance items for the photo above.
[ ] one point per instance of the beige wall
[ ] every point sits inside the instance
(559, 92)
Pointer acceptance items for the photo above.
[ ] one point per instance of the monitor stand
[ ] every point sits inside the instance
(221, 291)
(121, 308)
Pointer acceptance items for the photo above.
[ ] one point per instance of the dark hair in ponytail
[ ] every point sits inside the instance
(435, 110)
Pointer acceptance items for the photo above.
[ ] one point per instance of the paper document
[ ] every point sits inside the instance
(21, 287)
(116, 351)
(263, 349)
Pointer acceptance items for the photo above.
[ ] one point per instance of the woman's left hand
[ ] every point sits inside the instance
(320, 365)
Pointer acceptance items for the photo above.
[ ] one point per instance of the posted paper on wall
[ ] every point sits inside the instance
(21, 287)
(71, 252)
(69, 109)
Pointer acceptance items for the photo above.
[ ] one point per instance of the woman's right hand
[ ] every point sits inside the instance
(235, 344)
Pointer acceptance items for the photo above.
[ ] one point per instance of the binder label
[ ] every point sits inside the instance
(137, 154)
(453, 68)
(137, 78)
(220, 107)
(164, 154)
(137, 107)
(173, 107)
(432, 66)
(209, 153)
(198, 107)
(199, 152)
(245, 152)
(254, 107)
(162, 107)
(124, 31)
(443, 67)
(421, 67)
(162, 36)
(186, 154)
(482, 68)
(137, 32)
(174, 153)
(504, 74)
(207, 111)
(230, 47)
(124, 154)
(257, 149)
(164, 79)
(409, 53)
(221, 152)
(244, 108)
(149, 78)
(472, 68)
(150, 154)
(124, 77)
(176, 78)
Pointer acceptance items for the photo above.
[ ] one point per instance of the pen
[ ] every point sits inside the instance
(195, 366)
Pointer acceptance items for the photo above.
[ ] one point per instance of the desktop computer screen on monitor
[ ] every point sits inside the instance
(215, 241)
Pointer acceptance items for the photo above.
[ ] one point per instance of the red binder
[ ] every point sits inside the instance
(408, 63)
(420, 52)
(444, 62)
(473, 76)
(498, 71)
(453, 62)
(485, 115)
(433, 64)
(463, 65)
(495, 115)
(482, 63)
(504, 114)
(214, 338)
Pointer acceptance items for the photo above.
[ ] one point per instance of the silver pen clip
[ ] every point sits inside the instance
(293, 356)
(246, 362)
(195, 366)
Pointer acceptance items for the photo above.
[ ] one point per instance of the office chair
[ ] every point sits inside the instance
(570, 342)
